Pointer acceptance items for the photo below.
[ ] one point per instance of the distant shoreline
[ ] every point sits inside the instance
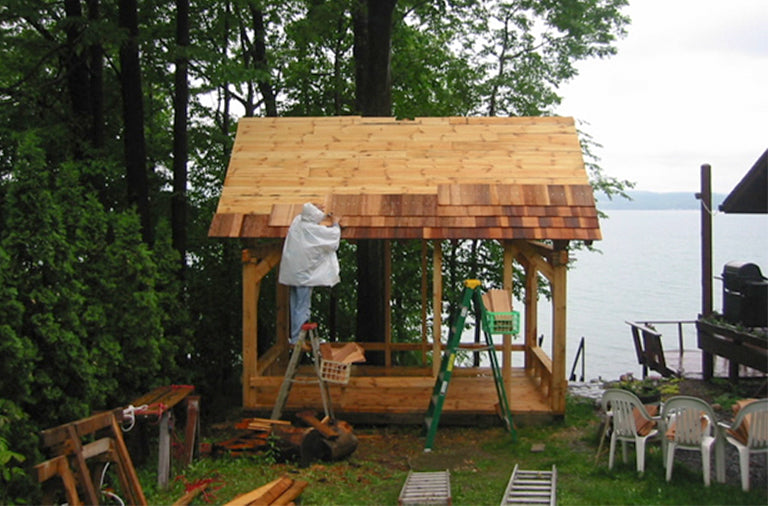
(647, 200)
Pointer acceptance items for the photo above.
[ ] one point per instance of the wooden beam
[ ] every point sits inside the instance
(283, 324)
(387, 306)
(533, 255)
(531, 310)
(559, 306)
(250, 327)
(437, 305)
(508, 285)
(424, 329)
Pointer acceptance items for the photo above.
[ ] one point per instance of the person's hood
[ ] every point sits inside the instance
(311, 213)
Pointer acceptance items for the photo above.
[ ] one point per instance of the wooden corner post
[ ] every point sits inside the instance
(559, 261)
(251, 287)
(437, 306)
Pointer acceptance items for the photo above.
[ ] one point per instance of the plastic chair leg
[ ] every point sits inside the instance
(669, 460)
(720, 460)
(640, 449)
(612, 451)
(744, 468)
(706, 464)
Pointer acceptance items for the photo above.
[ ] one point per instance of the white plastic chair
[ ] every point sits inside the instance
(752, 421)
(689, 423)
(622, 406)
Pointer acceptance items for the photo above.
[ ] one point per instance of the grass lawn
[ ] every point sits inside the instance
(480, 461)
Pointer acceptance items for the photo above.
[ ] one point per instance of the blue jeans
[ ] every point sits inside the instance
(300, 303)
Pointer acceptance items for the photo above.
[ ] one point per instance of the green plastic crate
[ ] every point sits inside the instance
(503, 323)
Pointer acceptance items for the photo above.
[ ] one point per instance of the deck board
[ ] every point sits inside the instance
(406, 398)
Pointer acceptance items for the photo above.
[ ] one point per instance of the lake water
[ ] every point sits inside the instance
(649, 270)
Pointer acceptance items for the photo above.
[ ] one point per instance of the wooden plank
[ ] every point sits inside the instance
(309, 418)
(190, 495)
(253, 495)
(294, 491)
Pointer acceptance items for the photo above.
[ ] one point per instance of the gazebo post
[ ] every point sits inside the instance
(437, 306)
(531, 309)
(424, 328)
(251, 287)
(387, 303)
(559, 260)
(507, 284)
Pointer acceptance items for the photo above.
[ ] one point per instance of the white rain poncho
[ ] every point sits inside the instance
(309, 251)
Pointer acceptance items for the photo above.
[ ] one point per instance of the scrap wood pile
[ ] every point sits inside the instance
(324, 439)
(282, 491)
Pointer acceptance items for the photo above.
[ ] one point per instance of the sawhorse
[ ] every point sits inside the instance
(160, 403)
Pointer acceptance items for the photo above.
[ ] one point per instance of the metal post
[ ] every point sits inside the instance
(164, 456)
(707, 365)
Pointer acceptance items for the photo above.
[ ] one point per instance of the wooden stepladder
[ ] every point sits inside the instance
(308, 330)
(470, 296)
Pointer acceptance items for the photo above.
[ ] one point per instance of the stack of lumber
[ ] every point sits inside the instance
(254, 436)
(349, 353)
(282, 491)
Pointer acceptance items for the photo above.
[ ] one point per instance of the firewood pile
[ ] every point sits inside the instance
(325, 439)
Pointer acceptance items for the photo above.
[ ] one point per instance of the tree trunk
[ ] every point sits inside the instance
(76, 68)
(373, 35)
(96, 64)
(377, 98)
(133, 116)
(180, 142)
(260, 61)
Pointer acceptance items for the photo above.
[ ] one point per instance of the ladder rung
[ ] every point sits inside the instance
(531, 487)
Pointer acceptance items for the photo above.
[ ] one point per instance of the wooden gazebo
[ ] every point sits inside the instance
(520, 181)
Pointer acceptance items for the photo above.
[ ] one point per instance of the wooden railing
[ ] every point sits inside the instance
(541, 368)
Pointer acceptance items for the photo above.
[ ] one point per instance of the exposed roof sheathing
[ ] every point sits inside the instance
(473, 178)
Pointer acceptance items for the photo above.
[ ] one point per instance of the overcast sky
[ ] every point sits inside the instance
(688, 86)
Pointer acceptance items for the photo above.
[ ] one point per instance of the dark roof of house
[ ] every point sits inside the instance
(750, 196)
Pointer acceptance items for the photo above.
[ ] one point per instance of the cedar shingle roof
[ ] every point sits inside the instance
(462, 178)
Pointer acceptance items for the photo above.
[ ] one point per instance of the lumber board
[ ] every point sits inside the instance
(293, 492)
(253, 495)
(190, 495)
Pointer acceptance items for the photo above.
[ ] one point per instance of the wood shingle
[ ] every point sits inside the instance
(431, 178)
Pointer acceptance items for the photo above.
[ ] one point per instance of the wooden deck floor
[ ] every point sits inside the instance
(404, 399)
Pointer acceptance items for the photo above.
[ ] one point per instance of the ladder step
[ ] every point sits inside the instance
(426, 488)
(531, 487)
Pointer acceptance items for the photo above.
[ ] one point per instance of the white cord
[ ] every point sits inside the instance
(107, 492)
(129, 414)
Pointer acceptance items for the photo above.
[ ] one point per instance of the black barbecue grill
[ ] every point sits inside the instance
(745, 295)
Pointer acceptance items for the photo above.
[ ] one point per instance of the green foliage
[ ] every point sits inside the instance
(90, 315)
(17, 451)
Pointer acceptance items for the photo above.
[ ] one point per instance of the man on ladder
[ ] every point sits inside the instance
(309, 260)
